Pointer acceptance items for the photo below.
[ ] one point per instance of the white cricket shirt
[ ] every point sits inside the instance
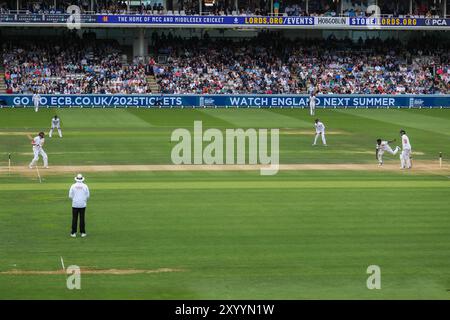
(79, 193)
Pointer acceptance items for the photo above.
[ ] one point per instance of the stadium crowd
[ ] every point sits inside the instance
(195, 66)
(373, 66)
(266, 64)
(72, 66)
(86, 6)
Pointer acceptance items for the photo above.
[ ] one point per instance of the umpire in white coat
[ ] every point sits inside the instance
(79, 193)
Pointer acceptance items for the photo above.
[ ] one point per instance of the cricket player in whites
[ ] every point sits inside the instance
(320, 131)
(36, 100)
(312, 104)
(38, 143)
(405, 156)
(381, 147)
(56, 124)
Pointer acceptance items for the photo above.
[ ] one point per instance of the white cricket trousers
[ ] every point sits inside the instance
(51, 131)
(39, 151)
(388, 149)
(312, 109)
(405, 159)
(324, 141)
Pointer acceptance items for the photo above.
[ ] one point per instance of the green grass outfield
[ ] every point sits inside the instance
(227, 235)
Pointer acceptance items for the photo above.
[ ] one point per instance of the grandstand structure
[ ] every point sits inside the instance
(289, 48)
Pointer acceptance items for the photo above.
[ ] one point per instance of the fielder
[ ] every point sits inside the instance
(320, 131)
(312, 104)
(55, 125)
(36, 100)
(405, 156)
(38, 143)
(381, 147)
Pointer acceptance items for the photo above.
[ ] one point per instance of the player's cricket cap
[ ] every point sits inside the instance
(79, 177)
(402, 131)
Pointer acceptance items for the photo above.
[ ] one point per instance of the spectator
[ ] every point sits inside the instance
(263, 65)
(81, 67)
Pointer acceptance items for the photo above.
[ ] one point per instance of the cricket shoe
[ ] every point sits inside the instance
(83, 235)
(73, 235)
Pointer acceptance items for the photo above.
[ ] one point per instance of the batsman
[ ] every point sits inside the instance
(38, 143)
(405, 156)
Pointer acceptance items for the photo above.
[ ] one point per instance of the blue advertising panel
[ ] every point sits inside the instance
(142, 20)
(243, 101)
(205, 20)
(399, 22)
(45, 18)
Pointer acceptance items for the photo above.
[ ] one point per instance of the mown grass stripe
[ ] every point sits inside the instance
(235, 185)
(404, 119)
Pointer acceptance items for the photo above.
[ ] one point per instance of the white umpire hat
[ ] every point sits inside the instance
(79, 177)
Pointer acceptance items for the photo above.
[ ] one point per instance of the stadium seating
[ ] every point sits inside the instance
(328, 66)
(266, 64)
(82, 67)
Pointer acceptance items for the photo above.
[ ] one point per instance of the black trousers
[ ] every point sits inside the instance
(75, 213)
